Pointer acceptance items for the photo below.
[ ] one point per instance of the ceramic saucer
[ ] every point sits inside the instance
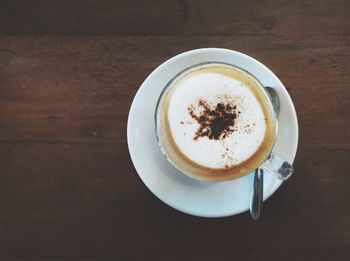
(205, 199)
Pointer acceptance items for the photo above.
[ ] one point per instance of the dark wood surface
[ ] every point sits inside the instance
(68, 74)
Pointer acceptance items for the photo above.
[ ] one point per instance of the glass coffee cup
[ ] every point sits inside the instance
(201, 121)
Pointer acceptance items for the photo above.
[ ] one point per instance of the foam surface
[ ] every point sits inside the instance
(215, 88)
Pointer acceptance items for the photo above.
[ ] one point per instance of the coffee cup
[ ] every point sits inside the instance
(216, 122)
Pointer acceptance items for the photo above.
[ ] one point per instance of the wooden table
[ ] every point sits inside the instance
(68, 74)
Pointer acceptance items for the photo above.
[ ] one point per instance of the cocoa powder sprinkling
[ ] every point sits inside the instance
(215, 122)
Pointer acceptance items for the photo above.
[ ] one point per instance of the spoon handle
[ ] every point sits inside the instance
(257, 194)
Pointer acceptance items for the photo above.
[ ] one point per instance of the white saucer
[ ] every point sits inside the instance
(185, 194)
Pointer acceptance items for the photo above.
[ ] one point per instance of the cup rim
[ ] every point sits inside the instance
(183, 71)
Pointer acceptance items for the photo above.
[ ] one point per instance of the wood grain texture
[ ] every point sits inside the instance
(68, 73)
(84, 202)
(181, 17)
(79, 89)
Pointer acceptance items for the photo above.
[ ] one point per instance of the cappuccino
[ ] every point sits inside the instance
(215, 122)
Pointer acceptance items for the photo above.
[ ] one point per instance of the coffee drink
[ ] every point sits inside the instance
(215, 122)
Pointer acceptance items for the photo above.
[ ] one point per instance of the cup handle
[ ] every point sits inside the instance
(279, 167)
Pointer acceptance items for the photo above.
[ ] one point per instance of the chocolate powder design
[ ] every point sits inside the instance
(215, 122)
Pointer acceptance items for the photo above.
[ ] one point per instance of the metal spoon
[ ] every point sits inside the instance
(275, 99)
(258, 187)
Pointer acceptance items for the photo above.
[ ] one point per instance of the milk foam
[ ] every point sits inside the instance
(214, 88)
